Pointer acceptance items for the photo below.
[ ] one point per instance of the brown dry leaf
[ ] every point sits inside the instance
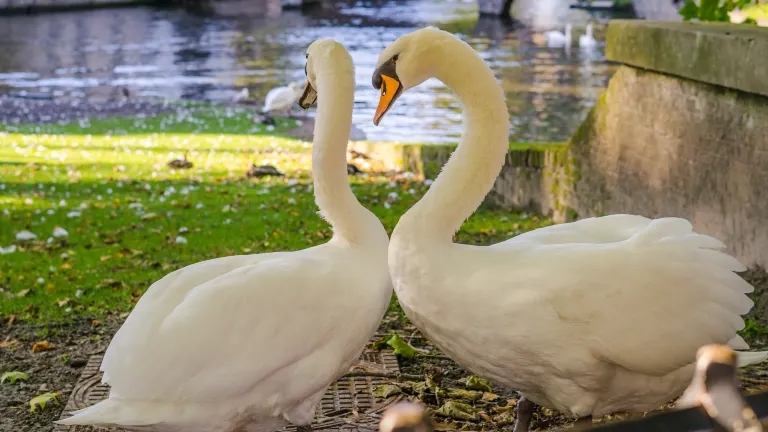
(41, 346)
(487, 396)
(8, 344)
(63, 303)
(105, 257)
(66, 266)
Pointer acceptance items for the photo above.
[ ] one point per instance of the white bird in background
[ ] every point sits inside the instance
(240, 96)
(587, 40)
(283, 98)
(248, 343)
(557, 38)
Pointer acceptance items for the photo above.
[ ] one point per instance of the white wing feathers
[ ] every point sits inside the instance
(643, 294)
(191, 351)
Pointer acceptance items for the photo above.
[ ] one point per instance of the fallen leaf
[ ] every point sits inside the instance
(386, 390)
(475, 383)
(41, 346)
(63, 303)
(149, 216)
(22, 293)
(400, 347)
(13, 376)
(457, 410)
(42, 400)
(105, 257)
(488, 396)
(8, 344)
(445, 426)
(465, 394)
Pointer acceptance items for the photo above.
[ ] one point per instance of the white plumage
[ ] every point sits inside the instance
(592, 317)
(248, 343)
(241, 95)
(283, 98)
(557, 39)
(587, 40)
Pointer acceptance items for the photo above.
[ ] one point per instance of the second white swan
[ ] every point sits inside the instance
(589, 318)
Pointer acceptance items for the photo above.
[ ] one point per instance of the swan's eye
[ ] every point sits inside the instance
(306, 56)
(395, 57)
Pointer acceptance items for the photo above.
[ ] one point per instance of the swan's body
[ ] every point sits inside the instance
(249, 343)
(556, 38)
(241, 95)
(282, 98)
(591, 317)
(587, 40)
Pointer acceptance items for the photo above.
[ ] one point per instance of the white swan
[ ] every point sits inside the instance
(587, 40)
(556, 38)
(249, 343)
(592, 317)
(282, 98)
(241, 95)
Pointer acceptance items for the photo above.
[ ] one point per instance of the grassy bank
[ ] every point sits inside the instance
(130, 219)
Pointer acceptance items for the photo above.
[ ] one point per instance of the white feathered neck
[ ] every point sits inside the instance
(335, 85)
(472, 169)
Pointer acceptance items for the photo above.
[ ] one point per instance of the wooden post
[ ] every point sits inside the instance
(494, 7)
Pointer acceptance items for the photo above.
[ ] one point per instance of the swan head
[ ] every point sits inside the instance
(407, 62)
(405, 417)
(321, 55)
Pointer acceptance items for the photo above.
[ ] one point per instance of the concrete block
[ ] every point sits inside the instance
(724, 54)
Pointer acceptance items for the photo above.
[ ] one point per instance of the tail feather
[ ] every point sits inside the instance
(746, 358)
(114, 412)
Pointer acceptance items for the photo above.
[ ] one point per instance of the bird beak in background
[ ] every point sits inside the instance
(308, 97)
(385, 78)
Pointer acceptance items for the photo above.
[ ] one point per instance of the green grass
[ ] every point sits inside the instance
(132, 207)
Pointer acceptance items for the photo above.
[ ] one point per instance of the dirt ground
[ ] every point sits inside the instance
(58, 368)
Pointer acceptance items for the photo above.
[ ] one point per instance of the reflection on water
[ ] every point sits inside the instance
(177, 54)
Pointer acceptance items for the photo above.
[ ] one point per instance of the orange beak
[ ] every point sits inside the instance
(390, 90)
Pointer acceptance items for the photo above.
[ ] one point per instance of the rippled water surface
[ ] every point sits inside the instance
(212, 54)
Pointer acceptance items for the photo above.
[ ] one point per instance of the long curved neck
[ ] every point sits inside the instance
(333, 195)
(472, 169)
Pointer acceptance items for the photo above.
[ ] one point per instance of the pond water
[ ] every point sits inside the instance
(211, 55)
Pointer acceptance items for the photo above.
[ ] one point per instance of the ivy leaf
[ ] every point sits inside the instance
(475, 383)
(689, 11)
(42, 400)
(708, 10)
(400, 347)
(13, 376)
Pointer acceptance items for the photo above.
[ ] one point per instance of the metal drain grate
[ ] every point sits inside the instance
(346, 396)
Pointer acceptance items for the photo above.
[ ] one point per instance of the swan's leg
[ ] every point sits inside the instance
(583, 422)
(523, 416)
(307, 428)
